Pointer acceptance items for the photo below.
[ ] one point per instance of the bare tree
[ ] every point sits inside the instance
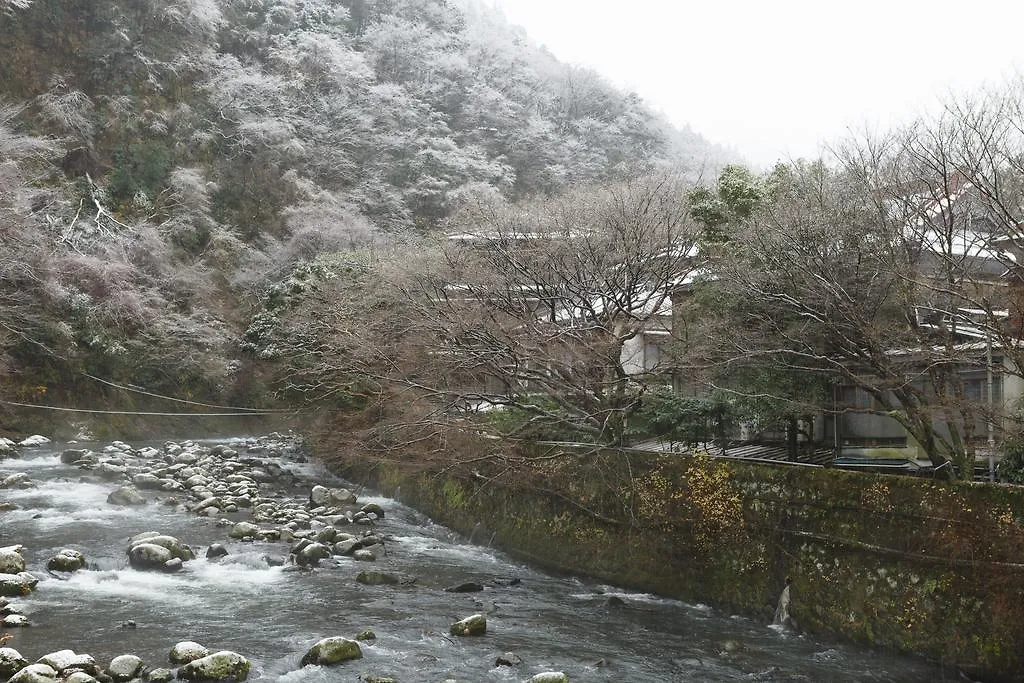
(537, 308)
(886, 271)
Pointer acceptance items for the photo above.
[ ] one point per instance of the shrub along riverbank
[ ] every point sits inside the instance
(912, 565)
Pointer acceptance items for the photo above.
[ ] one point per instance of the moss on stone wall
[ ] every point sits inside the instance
(906, 564)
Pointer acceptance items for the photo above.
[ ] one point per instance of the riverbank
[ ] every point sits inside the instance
(134, 551)
(896, 563)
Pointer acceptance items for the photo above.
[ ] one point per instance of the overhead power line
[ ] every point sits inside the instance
(238, 413)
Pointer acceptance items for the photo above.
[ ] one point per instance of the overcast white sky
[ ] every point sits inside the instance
(776, 78)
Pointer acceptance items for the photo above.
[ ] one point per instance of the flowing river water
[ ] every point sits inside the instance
(273, 614)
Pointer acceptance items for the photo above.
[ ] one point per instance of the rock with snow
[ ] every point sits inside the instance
(550, 677)
(11, 662)
(66, 560)
(15, 585)
(80, 677)
(160, 675)
(18, 480)
(475, 625)
(64, 662)
(15, 621)
(12, 561)
(126, 495)
(186, 651)
(32, 441)
(220, 666)
(125, 668)
(34, 673)
(331, 651)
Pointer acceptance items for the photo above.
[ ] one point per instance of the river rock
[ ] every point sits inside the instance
(311, 554)
(321, 496)
(330, 651)
(186, 651)
(215, 551)
(467, 587)
(372, 578)
(80, 677)
(244, 529)
(15, 585)
(364, 555)
(65, 661)
(34, 673)
(147, 480)
(11, 662)
(550, 677)
(373, 509)
(149, 556)
(18, 480)
(34, 440)
(475, 625)
(7, 447)
(11, 559)
(14, 621)
(160, 675)
(508, 659)
(151, 550)
(125, 668)
(126, 495)
(72, 455)
(66, 560)
(220, 666)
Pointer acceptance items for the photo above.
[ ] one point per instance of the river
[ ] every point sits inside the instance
(273, 614)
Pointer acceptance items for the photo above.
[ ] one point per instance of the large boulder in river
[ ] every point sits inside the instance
(311, 554)
(152, 550)
(70, 456)
(475, 625)
(11, 559)
(220, 666)
(330, 651)
(66, 560)
(34, 440)
(126, 495)
(11, 662)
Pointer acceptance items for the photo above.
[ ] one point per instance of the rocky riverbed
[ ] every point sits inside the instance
(240, 560)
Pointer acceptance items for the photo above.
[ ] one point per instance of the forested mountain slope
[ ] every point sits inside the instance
(162, 162)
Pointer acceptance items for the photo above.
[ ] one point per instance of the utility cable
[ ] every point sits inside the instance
(135, 412)
(182, 400)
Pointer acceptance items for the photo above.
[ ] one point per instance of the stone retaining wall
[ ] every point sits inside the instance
(899, 563)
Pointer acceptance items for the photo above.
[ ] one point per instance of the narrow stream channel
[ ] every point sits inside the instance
(273, 614)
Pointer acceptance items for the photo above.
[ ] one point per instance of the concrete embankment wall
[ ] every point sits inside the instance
(899, 563)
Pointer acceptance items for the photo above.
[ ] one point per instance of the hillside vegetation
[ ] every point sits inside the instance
(172, 170)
